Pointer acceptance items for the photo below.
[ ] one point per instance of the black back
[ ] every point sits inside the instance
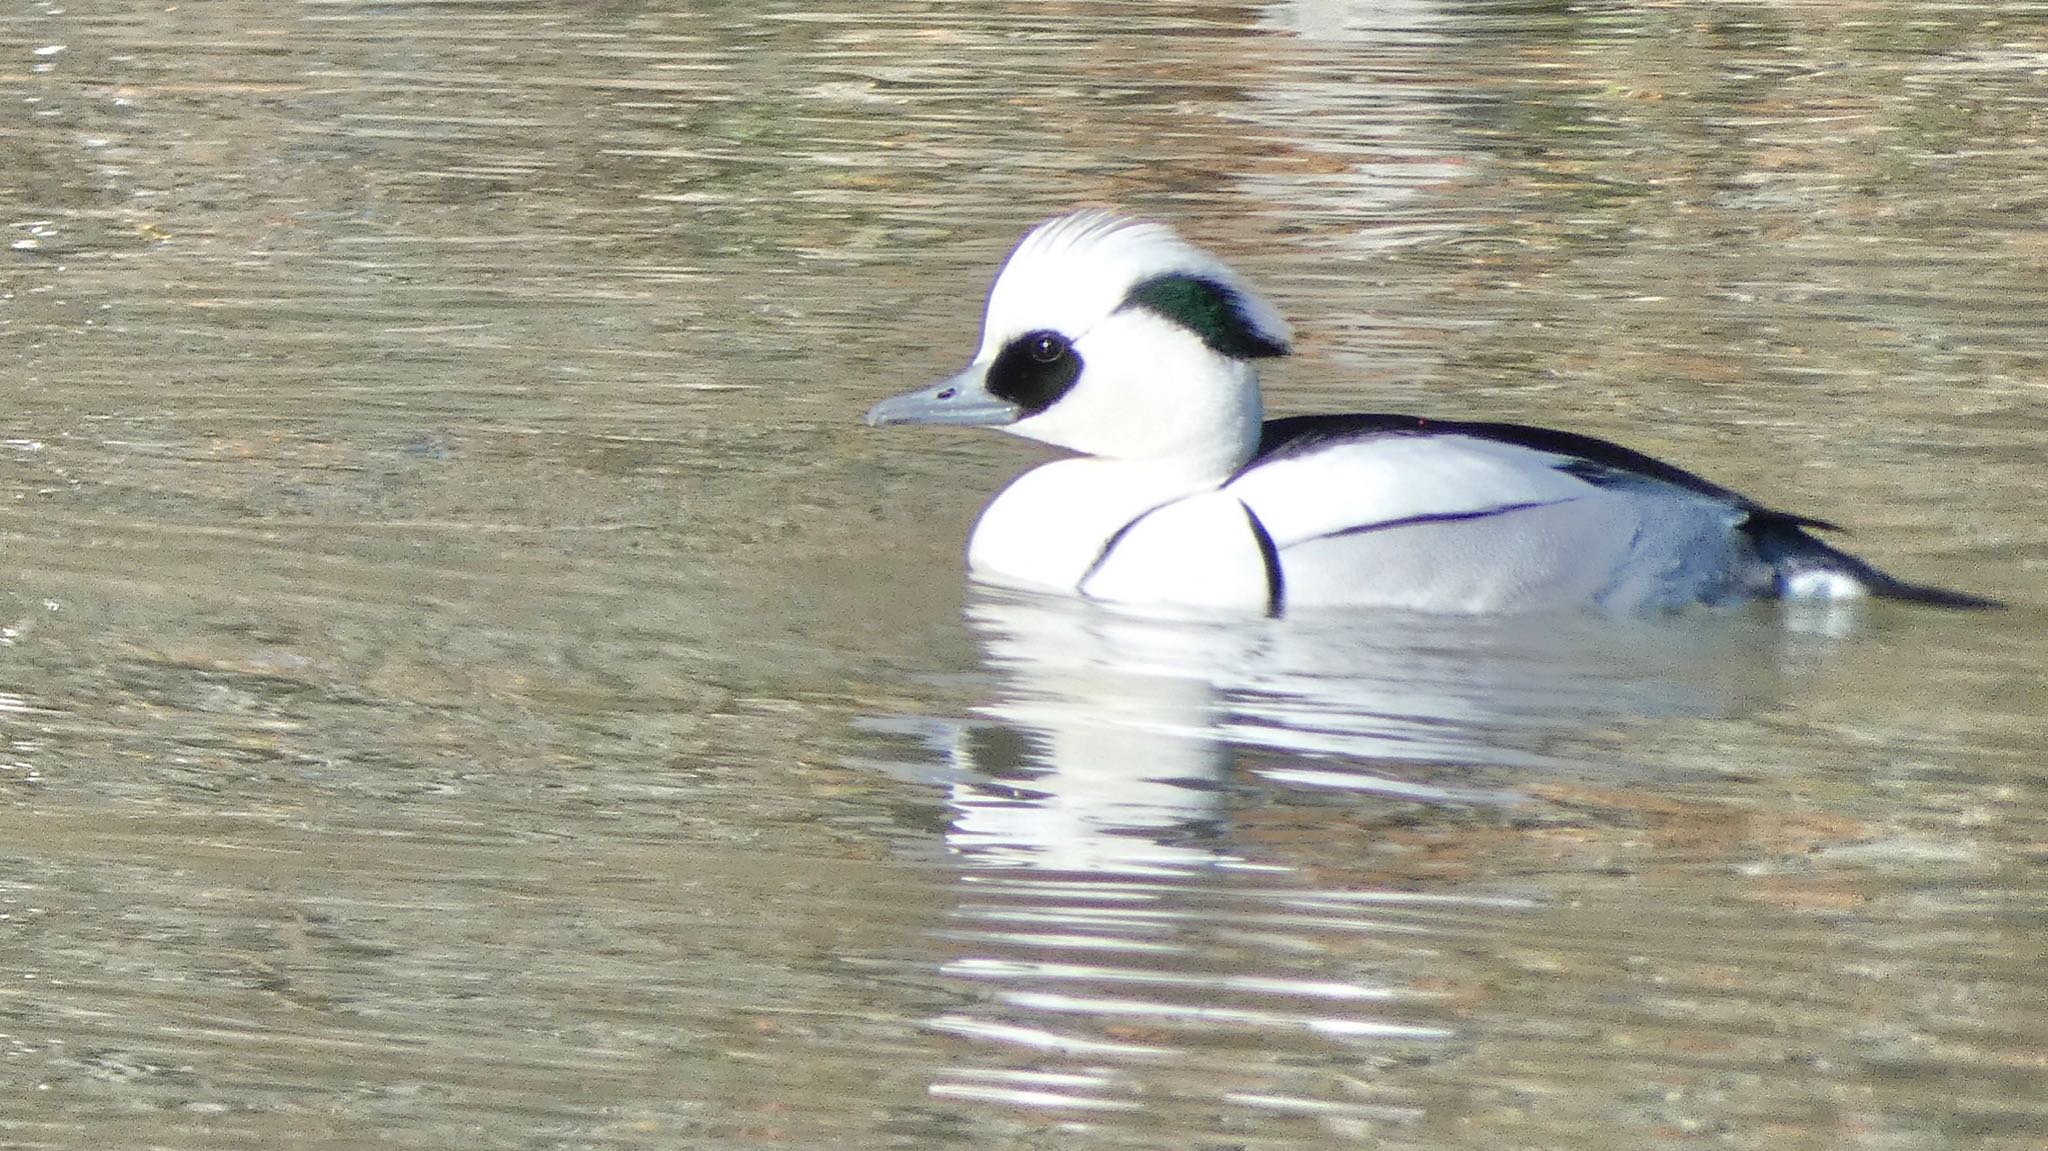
(1602, 463)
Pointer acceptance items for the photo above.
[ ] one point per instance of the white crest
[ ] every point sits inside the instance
(1070, 273)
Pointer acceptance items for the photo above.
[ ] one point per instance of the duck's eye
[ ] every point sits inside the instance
(1048, 347)
(1034, 370)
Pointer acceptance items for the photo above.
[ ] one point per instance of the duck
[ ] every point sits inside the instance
(1138, 353)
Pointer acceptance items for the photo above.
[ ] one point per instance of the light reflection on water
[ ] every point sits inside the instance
(467, 679)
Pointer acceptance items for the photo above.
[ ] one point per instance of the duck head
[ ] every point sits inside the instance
(1114, 338)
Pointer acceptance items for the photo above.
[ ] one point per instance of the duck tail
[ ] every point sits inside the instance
(1809, 568)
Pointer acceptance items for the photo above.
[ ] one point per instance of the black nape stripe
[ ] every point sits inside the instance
(1034, 370)
(1276, 580)
(1210, 309)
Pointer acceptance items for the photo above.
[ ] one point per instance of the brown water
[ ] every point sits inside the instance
(468, 680)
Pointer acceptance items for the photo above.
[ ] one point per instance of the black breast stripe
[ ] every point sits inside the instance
(1276, 582)
(1431, 518)
(1269, 554)
(1109, 545)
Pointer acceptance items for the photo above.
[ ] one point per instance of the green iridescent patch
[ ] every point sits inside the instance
(1209, 309)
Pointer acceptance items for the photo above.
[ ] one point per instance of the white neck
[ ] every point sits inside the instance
(1153, 394)
(1211, 449)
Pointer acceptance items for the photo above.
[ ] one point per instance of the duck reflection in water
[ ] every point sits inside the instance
(1149, 813)
(1114, 739)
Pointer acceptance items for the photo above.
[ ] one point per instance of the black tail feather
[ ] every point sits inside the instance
(1783, 543)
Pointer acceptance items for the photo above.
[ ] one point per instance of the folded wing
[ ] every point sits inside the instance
(1398, 511)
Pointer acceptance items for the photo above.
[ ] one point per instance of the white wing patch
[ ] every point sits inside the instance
(1463, 523)
(1348, 486)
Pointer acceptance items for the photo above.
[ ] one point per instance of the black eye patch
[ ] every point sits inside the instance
(1034, 370)
(1212, 311)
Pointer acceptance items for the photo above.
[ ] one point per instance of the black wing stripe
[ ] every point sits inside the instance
(1276, 580)
(1429, 518)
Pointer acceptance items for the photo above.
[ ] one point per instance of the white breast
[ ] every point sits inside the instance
(1049, 528)
(1201, 550)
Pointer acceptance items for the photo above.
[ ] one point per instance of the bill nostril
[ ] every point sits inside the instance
(948, 393)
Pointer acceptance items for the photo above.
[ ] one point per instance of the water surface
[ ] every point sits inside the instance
(468, 679)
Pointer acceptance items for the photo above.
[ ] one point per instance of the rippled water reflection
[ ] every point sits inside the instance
(1181, 846)
(467, 678)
